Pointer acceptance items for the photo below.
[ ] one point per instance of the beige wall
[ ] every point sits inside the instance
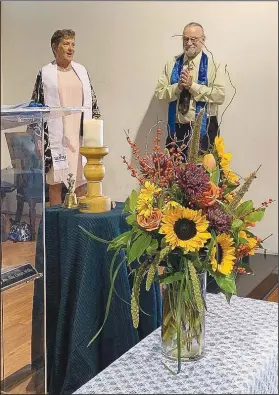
(124, 46)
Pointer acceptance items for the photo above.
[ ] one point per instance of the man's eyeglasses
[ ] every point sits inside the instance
(193, 39)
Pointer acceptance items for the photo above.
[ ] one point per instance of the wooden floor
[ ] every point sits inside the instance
(17, 315)
(17, 312)
(273, 297)
(18, 253)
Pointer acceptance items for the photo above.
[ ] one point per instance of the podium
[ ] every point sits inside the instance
(23, 368)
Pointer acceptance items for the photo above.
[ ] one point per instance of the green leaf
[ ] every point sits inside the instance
(237, 223)
(109, 300)
(228, 295)
(230, 188)
(131, 219)
(93, 236)
(153, 247)
(226, 283)
(210, 245)
(244, 208)
(126, 208)
(215, 176)
(154, 266)
(139, 246)
(249, 233)
(169, 369)
(172, 278)
(242, 241)
(111, 277)
(135, 233)
(204, 303)
(198, 263)
(131, 202)
(255, 216)
(120, 240)
(178, 329)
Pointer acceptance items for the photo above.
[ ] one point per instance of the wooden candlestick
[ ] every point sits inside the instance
(94, 172)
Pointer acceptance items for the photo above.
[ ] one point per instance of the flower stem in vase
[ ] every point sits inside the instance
(178, 327)
(183, 320)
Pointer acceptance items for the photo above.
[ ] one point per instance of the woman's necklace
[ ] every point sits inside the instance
(68, 68)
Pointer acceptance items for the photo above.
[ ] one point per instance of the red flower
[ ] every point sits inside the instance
(209, 197)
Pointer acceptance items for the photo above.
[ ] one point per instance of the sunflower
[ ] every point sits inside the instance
(230, 176)
(225, 160)
(144, 206)
(171, 205)
(145, 199)
(226, 254)
(219, 145)
(185, 228)
(149, 190)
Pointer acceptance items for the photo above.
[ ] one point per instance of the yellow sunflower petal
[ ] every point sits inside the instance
(176, 237)
(219, 145)
(225, 266)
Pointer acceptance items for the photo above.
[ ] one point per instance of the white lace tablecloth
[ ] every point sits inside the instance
(241, 357)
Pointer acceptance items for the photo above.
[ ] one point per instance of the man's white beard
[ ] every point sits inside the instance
(192, 52)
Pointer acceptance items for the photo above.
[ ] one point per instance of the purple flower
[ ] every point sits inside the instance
(193, 180)
(218, 219)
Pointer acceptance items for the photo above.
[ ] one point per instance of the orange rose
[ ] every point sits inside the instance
(210, 196)
(152, 222)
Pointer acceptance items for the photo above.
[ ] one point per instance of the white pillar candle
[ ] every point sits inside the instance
(93, 135)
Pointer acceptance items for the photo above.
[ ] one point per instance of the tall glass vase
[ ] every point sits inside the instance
(182, 313)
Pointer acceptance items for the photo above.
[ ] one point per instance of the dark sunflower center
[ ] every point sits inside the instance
(185, 229)
(219, 254)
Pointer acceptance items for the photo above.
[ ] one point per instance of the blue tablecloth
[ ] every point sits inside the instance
(77, 276)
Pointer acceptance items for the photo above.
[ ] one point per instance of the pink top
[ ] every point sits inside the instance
(71, 95)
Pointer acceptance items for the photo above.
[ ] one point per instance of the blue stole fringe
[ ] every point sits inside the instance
(202, 80)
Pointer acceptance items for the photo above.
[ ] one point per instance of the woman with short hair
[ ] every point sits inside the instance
(64, 83)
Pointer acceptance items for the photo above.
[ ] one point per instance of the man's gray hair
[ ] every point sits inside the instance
(195, 24)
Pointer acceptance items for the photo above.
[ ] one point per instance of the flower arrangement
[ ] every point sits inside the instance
(189, 218)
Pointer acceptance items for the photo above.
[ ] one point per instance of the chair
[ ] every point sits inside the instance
(28, 174)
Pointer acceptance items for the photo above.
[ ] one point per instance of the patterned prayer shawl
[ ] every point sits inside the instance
(46, 93)
(202, 80)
